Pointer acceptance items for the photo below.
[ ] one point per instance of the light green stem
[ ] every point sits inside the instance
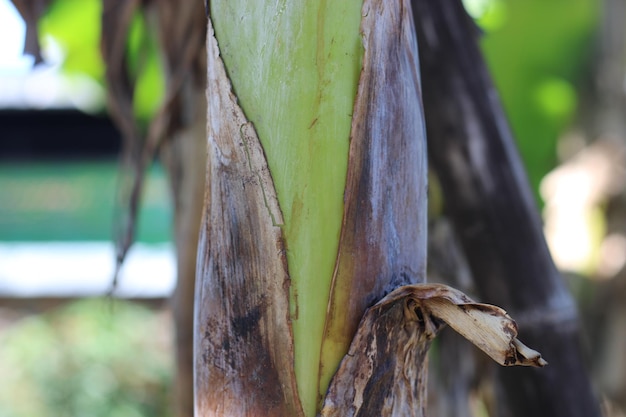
(294, 66)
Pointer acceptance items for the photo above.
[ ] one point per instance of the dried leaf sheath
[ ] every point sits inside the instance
(383, 236)
(384, 372)
(243, 347)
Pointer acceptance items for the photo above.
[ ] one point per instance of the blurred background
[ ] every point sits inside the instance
(65, 348)
(560, 67)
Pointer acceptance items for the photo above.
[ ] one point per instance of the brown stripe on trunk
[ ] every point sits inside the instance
(384, 373)
(383, 237)
(243, 338)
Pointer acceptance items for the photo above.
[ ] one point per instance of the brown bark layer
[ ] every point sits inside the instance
(384, 372)
(383, 237)
(489, 200)
(243, 339)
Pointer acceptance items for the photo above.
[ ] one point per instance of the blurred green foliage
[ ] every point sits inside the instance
(97, 358)
(538, 52)
(145, 67)
(76, 25)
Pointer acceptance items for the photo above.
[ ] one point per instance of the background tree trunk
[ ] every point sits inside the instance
(244, 312)
(489, 200)
(178, 130)
(602, 119)
(185, 159)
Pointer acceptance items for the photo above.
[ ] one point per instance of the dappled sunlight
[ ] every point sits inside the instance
(574, 195)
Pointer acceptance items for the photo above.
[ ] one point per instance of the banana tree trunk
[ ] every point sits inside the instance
(312, 245)
(313, 241)
(351, 156)
(489, 200)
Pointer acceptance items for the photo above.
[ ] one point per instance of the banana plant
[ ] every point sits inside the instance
(310, 294)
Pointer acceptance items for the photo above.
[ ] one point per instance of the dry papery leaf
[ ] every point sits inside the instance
(384, 372)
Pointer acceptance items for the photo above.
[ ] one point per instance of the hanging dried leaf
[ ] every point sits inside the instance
(182, 27)
(31, 11)
(384, 372)
(116, 19)
(182, 36)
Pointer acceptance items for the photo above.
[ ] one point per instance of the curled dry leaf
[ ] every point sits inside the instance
(384, 371)
(487, 326)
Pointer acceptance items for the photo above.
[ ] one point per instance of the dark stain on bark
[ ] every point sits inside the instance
(244, 326)
(383, 237)
(244, 366)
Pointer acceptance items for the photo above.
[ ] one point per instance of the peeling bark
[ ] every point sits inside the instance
(243, 338)
(244, 342)
(384, 372)
(383, 237)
